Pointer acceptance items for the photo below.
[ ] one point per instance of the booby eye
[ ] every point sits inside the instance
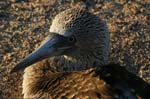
(72, 39)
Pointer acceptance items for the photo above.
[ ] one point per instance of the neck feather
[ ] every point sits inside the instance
(70, 64)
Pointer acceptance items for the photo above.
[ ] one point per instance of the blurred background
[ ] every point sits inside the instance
(24, 24)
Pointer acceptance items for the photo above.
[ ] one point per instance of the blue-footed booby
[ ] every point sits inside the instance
(72, 63)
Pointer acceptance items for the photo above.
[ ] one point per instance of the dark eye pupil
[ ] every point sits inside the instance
(71, 39)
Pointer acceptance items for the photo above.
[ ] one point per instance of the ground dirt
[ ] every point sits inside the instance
(24, 24)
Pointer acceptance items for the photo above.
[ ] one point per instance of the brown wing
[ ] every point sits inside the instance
(125, 82)
(109, 82)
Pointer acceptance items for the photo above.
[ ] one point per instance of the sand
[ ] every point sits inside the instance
(24, 24)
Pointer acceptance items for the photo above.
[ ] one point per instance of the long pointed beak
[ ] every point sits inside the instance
(53, 45)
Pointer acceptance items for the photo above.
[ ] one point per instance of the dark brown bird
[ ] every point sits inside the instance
(75, 55)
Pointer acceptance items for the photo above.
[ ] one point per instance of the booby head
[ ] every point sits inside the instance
(77, 35)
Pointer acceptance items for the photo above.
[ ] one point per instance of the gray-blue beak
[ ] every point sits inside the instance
(53, 45)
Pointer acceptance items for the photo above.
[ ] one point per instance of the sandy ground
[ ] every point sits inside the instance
(23, 25)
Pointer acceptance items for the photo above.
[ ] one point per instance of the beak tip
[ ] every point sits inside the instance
(14, 70)
(17, 68)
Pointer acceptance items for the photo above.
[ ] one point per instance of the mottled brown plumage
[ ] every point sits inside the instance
(75, 54)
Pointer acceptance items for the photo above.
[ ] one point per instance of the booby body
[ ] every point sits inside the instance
(77, 45)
